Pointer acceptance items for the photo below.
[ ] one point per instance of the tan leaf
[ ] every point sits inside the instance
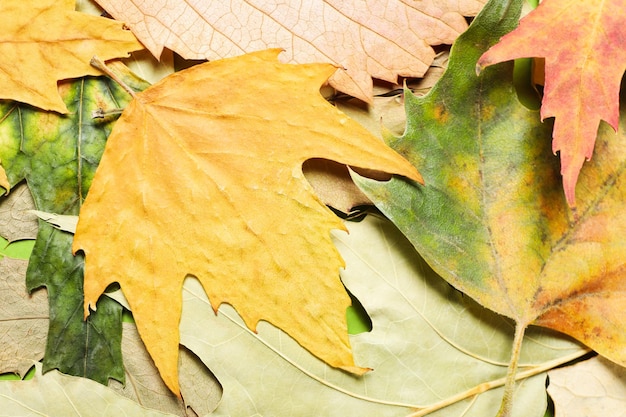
(593, 388)
(334, 186)
(382, 38)
(16, 222)
(143, 383)
(23, 319)
(199, 389)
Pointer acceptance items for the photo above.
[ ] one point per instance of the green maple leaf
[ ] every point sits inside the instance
(58, 155)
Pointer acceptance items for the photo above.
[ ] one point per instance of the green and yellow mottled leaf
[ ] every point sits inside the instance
(492, 218)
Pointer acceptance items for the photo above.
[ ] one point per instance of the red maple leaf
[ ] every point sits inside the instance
(583, 45)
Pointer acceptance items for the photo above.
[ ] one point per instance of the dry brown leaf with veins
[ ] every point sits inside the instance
(16, 222)
(200, 390)
(379, 38)
(333, 185)
(23, 319)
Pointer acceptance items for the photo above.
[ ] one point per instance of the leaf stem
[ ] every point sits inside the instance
(509, 386)
(101, 113)
(496, 383)
(98, 63)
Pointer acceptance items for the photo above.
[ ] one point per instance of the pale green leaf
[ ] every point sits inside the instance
(64, 222)
(428, 344)
(57, 395)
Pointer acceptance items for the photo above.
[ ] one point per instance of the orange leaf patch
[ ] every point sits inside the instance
(583, 44)
(199, 178)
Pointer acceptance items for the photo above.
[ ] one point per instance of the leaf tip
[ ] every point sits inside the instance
(479, 68)
(570, 171)
(356, 370)
(483, 62)
(570, 196)
(87, 306)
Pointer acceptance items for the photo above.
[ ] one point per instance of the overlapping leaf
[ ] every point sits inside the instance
(16, 222)
(428, 343)
(585, 59)
(593, 388)
(382, 39)
(23, 319)
(58, 154)
(492, 219)
(46, 41)
(200, 178)
(200, 392)
(57, 395)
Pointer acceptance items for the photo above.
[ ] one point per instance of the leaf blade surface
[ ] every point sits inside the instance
(428, 342)
(58, 395)
(595, 387)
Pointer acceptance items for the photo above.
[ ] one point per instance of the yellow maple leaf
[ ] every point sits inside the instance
(382, 39)
(45, 41)
(201, 178)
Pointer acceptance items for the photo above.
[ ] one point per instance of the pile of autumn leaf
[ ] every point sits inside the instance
(194, 213)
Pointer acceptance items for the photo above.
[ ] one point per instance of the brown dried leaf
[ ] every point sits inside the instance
(200, 391)
(16, 222)
(333, 185)
(23, 319)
